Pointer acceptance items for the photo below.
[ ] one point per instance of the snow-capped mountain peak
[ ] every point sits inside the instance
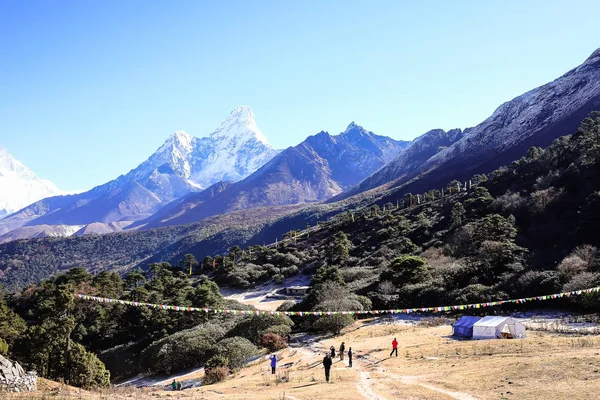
(240, 126)
(183, 141)
(19, 186)
(232, 152)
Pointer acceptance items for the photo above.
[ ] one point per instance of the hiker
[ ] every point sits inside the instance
(178, 385)
(342, 349)
(174, 385)
(394, 347)
(327, 365)
(332, 350)
(350, 357)
(273, 363)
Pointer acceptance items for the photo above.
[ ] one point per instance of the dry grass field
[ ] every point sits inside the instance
(430, 365)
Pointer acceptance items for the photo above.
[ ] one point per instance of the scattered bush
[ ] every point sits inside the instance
(237, 350)
(216, 361)
(286, 306)
(273, 342)
(281, 330)
(583, 280)
(253, 327)
(570, 267)
(214, 375)
(182, 350)
(87, 371)
(333, 323)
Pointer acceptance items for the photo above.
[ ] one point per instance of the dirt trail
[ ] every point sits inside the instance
(365, 388)
(368, 363)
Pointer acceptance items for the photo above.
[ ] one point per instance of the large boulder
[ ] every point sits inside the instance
(13, 377)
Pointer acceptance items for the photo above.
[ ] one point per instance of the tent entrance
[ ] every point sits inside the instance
(506, 333)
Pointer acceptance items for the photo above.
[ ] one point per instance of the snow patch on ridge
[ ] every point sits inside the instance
(19, 186)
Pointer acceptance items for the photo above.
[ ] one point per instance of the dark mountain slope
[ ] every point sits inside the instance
(532, 119)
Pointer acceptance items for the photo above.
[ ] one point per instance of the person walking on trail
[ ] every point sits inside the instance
(332, 350)
(350, 357)
(327, 365)
(273, 363)
(178, 385)
(342, 349)
(394, 347)
(174, 385)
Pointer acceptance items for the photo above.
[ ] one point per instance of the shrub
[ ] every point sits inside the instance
(237, 350)
(365, 302)
(386, 288)
(185, 349)
(333, 323)
(286, 306)
(534, 282)
(405, 270)
(587, 253)
(583, 280)
(355, 274)
(216, 361)
(253, 327)
(281, 330)
(87, 371)
(273, 342)
(214, 375)
(571, 266)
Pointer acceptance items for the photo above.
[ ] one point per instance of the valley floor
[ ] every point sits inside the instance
(430, 365)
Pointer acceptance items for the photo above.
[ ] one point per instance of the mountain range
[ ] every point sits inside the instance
(189, 179)
(183, 164)
(320, 167)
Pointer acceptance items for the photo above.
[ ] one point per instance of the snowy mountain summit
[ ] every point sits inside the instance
(19, 186)
(232, 152)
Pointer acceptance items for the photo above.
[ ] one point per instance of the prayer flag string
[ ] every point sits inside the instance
(350, 312)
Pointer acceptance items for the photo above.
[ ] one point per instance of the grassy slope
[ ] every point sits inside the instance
(431, 365)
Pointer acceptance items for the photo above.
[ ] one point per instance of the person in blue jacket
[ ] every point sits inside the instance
(273, 363)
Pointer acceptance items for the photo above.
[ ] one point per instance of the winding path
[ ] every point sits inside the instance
(365, 383)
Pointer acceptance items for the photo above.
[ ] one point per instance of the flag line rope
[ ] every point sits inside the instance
(319, 313)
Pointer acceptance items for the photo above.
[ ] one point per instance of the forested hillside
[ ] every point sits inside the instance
(526, 228)
(24, 262)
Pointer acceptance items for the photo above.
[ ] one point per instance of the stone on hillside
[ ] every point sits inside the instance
(13, 377)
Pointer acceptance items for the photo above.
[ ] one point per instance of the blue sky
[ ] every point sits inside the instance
(89, 89)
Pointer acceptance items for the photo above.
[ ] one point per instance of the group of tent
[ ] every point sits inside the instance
(490, 327)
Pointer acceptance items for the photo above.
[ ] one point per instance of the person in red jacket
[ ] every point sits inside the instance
(394, 347)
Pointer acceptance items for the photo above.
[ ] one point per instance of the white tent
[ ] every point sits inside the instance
(497, 328)
(464, 326)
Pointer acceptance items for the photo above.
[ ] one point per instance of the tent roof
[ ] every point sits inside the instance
(491, 321)
(466, 320)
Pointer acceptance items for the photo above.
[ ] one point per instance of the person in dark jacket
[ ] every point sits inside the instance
(350, 357)
(327, 365)
(273, 359)
(332, 351)
(394, 347)
(342, 350)
(178, 385)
